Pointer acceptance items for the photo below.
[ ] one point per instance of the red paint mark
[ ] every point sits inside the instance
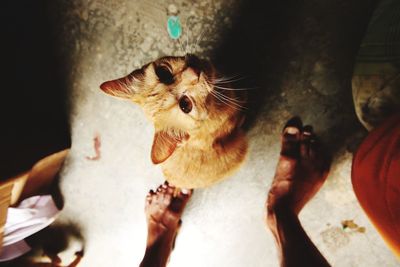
(97, 145)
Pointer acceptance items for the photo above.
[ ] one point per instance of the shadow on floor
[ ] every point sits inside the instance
(301, 54)
(250, 49)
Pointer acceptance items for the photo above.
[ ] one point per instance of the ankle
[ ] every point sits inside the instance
(278, 214)
(159, 233)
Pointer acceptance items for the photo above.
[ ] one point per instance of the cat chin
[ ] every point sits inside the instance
(195, 167)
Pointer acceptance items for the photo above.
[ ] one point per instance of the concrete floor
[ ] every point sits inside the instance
(301, 54)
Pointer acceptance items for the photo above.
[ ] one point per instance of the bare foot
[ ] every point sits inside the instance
(302, 169)
(164, 211)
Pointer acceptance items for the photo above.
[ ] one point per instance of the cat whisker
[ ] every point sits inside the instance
(184, 43)
(187, 42)
(191, 37)
(228, 104)
(216, 81)
(223, 78)
(228, 80)
(228, 98)
(164, 32)
(227, 77)
(223, 101)
(235, 89)
(228, 101)
(181, 47)
(198, 40)
(184, 38)
(194, 46)
(221, 93)
(158, 21)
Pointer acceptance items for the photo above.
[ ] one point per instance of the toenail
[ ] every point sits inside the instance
(294, 122)
(164, 186)
(292, 130)
(185, 191)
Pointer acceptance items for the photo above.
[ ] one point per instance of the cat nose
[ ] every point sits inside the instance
(194, 63)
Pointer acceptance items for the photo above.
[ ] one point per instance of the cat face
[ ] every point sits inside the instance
(178, 95)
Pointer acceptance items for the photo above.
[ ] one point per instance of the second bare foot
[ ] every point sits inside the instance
(301, 170)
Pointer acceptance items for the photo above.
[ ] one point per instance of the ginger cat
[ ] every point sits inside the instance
(197, 118)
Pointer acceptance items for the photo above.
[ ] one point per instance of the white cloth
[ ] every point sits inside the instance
(13, 251)
(32, 215)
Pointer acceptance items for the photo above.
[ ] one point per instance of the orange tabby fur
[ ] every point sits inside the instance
(197, 148)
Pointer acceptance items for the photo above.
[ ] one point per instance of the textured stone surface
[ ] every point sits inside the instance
(304, 69)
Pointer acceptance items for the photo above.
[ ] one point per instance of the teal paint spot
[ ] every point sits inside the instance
(174, 27)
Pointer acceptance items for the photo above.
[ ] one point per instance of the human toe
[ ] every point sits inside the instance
(291, 139)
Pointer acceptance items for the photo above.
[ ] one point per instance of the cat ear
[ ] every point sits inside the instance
(164, 144)
(127, 86)
(119, 87)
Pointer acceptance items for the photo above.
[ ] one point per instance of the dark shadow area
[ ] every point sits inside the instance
(252, 49)
(34, 120)
(56, 193)
(48, 243)
(301, 55)
(56, 238)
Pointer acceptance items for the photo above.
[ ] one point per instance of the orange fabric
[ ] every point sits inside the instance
(376, 180)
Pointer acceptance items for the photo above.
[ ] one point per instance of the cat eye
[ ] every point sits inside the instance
(164, 75)
(185, 104)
